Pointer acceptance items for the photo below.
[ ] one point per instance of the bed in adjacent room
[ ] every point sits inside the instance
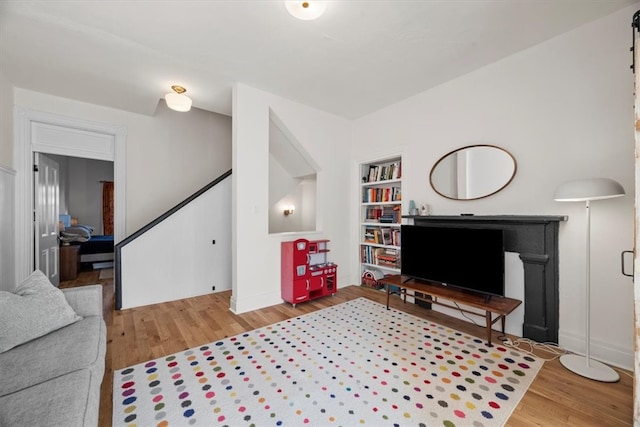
(96, 249)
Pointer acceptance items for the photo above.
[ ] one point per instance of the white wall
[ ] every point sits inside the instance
(256, 254)
(169, 156)
(564, 110)
(6, 123)
(177, 258)
(81, 188)
(85, 190)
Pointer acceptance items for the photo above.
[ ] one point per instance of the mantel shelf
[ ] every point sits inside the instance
(489, 218)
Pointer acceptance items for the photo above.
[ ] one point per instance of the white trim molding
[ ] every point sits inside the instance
(92, 140)
(8, 171)
(7, 229)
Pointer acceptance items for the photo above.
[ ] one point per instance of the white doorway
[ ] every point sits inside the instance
(53, 134)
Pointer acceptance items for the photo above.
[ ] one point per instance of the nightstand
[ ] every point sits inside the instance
(69, 262)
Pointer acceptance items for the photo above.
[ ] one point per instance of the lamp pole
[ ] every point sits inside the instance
(587, 354)
(583, 365)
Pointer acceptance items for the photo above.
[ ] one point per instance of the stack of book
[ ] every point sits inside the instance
(387, 258)
(390, 215)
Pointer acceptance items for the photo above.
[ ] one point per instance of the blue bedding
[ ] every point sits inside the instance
(96, 245)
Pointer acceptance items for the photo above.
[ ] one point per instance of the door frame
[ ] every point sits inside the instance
(105, 142)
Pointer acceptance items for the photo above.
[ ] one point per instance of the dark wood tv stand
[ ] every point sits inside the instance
(501, 306)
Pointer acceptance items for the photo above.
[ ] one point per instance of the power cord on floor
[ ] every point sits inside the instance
(530, 346)
(533, 345)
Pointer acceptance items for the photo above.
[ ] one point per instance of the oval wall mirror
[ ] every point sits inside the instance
(473, 172)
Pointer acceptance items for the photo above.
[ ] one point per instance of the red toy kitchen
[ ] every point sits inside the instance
(305, 272)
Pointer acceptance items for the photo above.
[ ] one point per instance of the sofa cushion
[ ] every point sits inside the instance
(77, 346)
(72, 400)
(34, 309)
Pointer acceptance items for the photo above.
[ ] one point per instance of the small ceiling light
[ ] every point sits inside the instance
(176, 100)
(306, 10)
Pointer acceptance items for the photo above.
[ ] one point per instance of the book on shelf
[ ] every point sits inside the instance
(386, 236)
(378, 173)
(395, 238)
(370, 235)
(373, 214)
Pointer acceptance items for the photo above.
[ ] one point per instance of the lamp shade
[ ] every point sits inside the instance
(588, 189)
(306, 10)
(178, 102)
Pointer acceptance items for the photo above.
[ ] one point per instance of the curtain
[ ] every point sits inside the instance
(107, 207)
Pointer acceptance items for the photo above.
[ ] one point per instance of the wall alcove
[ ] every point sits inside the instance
(535, 238)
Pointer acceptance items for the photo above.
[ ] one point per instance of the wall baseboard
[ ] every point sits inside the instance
(255, 302)
(606, 353)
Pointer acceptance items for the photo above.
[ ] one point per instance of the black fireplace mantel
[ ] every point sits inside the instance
(535, 238)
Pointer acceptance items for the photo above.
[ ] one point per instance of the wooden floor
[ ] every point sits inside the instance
(557, 397)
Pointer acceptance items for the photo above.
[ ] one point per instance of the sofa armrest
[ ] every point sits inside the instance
(85, 300)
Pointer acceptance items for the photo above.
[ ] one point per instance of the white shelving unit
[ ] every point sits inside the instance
(380, 216)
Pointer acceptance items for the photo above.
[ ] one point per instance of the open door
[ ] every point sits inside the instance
(46, 206)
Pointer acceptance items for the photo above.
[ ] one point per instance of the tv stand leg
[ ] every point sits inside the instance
(489, 323)
(388, 293)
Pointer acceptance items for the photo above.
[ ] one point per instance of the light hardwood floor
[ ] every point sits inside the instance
(557, 397)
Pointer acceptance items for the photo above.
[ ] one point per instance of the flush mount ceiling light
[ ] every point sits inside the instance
(306, 10)
(176, 100)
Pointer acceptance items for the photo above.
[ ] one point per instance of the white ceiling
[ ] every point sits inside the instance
(358, 57)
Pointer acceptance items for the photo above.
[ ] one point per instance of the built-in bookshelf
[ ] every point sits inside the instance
(380, 216)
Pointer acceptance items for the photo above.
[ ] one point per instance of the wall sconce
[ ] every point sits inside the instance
(289, 210)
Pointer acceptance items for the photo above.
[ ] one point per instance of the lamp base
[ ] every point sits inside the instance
(591, 369)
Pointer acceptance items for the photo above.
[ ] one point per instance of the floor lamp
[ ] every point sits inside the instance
(586, 190)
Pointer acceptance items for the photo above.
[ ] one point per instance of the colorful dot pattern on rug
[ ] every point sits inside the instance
(352, 364)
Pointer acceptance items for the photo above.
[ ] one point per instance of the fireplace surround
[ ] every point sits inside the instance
(535, 238)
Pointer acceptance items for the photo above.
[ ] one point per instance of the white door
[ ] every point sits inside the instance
(46, 205)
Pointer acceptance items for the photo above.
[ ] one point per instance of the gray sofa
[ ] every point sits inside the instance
(54, 380)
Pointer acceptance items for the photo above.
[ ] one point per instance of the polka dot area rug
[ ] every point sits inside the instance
(355, 363)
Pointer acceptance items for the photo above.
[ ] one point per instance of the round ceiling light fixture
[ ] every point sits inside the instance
(177, 100)
(306, 10)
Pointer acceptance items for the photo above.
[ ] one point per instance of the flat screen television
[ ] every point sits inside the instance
(466, 258)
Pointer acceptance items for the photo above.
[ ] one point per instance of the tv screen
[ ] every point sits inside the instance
(467, 258)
